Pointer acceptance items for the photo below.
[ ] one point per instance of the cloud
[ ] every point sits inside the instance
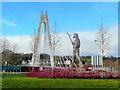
(22, 41)
(88, 46)
(8, 23)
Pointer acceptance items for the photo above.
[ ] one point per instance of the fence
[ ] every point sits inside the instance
(10, 68)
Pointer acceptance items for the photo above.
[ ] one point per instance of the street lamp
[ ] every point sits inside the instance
(101, 49)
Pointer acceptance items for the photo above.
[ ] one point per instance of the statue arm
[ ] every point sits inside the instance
(70, 38)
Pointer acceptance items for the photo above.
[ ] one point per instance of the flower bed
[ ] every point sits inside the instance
(70, 73)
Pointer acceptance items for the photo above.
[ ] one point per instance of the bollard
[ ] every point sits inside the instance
(10, 72)
(16, 72)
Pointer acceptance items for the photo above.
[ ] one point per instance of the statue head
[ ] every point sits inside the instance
(75, 35)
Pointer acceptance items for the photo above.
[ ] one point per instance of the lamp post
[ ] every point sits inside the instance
(101, 49)
(101, 42)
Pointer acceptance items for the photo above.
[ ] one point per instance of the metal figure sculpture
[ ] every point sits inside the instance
(76, 45)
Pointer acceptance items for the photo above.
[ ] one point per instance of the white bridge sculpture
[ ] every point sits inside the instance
(47, 41)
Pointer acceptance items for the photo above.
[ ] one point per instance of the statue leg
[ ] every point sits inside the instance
(73, 58)
(80, 63)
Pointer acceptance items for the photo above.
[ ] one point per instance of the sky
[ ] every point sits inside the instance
(21, 19)
(60, 1)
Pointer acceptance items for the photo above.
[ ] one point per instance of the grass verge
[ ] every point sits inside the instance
(21, 81)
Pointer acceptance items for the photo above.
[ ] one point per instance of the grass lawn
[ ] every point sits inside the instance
(21, 81)
(2, 72)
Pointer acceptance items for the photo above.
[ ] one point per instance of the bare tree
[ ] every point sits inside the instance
(14, 47)
(102, 39)
(6, 45)
(32, 42)
(32, 47)
(55, 38)
(6, 51)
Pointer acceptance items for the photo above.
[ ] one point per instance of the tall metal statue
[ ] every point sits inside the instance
(76, 45)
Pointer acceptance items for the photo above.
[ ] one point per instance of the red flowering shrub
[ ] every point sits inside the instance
(68, 73)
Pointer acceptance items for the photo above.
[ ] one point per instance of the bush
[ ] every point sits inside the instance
(70, 73)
